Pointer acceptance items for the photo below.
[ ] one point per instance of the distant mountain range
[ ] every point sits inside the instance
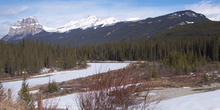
(93, 30)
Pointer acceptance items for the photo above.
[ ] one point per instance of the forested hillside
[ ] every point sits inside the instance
(184, 48)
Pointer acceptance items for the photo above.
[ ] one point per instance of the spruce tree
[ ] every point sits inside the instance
(52, 87)
(24, 96)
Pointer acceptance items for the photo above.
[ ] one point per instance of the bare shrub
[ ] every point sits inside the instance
(113, 91)
(2, 92)
(6, 103)
(50, 104)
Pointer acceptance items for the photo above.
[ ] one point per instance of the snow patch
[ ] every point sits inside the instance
(152, 94)
(200, 101)
(34, 91)
(63, 76)
(188, 22)
(106, 22)
(133, 19)
(44, 70)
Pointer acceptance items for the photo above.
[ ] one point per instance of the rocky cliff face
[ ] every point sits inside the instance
(23, 28)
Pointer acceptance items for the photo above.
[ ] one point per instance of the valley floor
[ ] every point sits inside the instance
(186, 98)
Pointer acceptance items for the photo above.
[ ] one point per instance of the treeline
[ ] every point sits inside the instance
(184, 54)
(29, 56)
(184, 49)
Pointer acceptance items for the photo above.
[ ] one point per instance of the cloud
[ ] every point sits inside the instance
(7, 23)
(4, 27)
(14, 11)
(60, 13)
(57, 13)
(208, 8)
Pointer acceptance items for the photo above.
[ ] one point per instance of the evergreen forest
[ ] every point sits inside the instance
(184, 48)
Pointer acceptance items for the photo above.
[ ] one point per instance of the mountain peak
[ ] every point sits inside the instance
(96, 27)
(188, 13)
(92, 17)
(24, 27)
(26, 21)
(90, 21)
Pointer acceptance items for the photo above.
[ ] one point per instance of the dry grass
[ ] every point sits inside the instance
(5, 105)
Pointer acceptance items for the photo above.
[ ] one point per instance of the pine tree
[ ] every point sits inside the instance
(52, 87)
(84, 62)
(24, 95)
(155, 72)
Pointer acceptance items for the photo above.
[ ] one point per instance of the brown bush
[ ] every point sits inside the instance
(112, 91)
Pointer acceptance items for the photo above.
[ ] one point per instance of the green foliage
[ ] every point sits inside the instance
(52, 87)
(120, 31)
(24, 96)
(218, 66)
(155, 72)
(148, 75)
(143, 65)
(205, 78)
(180, 49)
(84, 62)
(31, 56)
(134, 67)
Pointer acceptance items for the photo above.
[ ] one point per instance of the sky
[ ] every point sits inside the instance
(55, 13)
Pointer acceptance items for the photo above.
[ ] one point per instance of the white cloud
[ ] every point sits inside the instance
(208, 8)
(4, 28)
(60, 13)
(57, 13)
(14, 11)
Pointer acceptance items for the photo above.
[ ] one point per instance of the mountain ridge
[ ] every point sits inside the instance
(135, 30)
(90, 21)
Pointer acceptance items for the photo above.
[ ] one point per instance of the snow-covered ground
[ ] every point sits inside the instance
(200, 101)
(64, 75)
(67, 101)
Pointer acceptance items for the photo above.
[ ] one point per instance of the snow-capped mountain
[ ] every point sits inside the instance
(30, 26)
(24, 27)
(93, 30)
(91, 21)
